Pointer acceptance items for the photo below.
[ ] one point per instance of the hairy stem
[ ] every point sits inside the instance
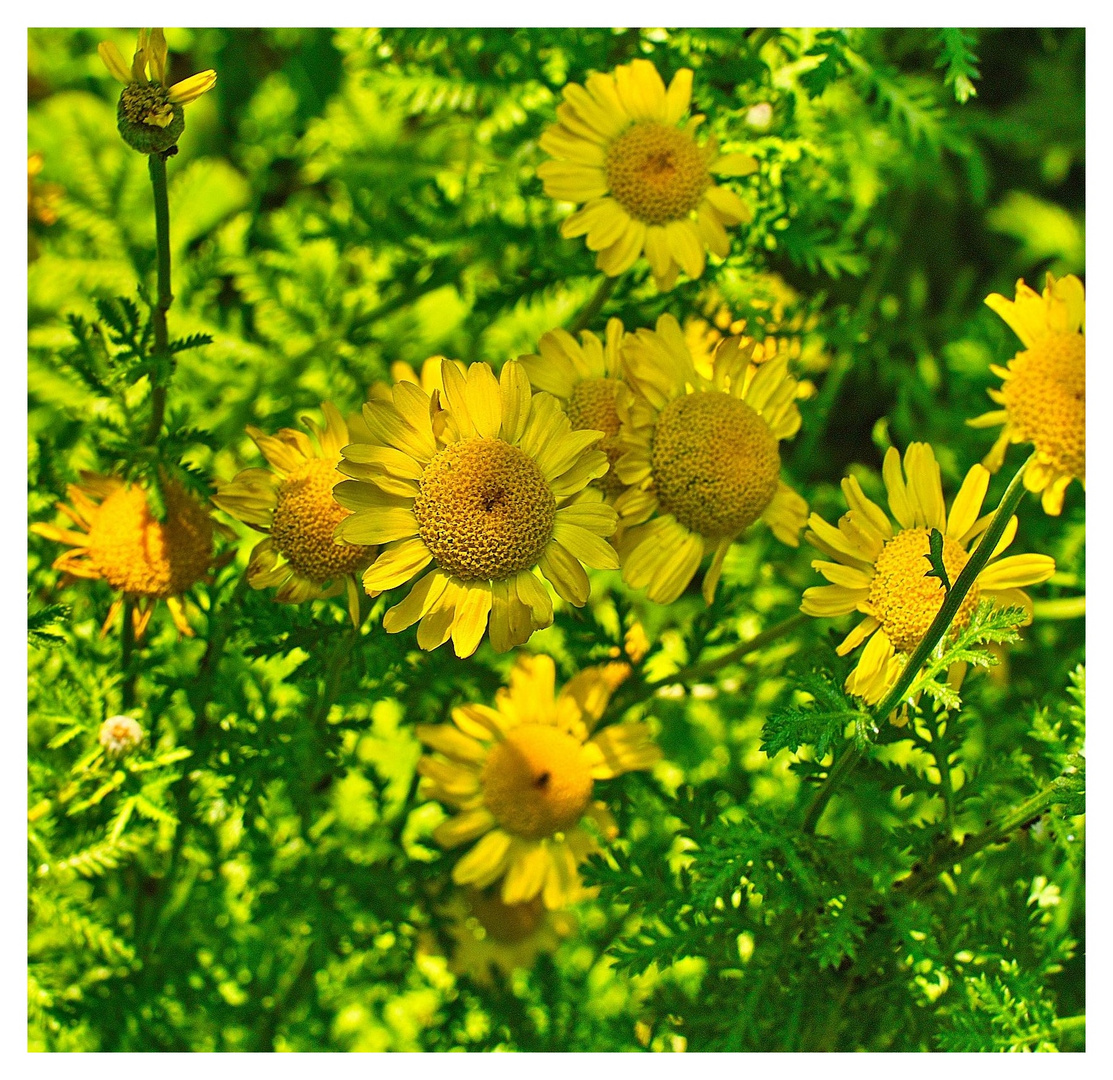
(939, 626)
(157, 166)
(759, 641)
(592, 308)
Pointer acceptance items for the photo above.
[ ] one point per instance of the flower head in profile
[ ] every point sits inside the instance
(586, 377)
(878, 565)
(646, 184)
(494, 939)
(149, 115)
(488, 489)
(1043, 395)
(120, 735)
(118, 539)
(702, 460)
(522, 776)
(292, 502)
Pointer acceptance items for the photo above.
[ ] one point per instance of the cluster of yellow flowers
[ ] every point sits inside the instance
(644, 451)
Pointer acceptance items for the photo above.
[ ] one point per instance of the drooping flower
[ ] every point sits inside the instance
(522, 776)
(879, 567)
(149, 115)
(292, 502)
(120, 735)
(492, 487)
(646, 184)
(495, 939)
(119, 540)
(586, 376)
(701, 458)
(1043, 394)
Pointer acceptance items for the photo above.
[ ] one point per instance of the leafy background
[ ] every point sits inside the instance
(260, 875)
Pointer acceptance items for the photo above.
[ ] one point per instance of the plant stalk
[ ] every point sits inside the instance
(592, 308)
(164, 297)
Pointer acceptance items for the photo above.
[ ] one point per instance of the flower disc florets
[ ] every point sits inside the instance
(715, 463)
(537, 781)
(657, 172)
(592, 407)
(904, 599)
(141, 556)
(1046, 400)
(305, 520)
(484, 509)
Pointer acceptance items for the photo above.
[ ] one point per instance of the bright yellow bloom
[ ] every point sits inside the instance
(492, 937)
(879, 569)
(701, 458)
(119, 540)
(147, 98)
(1044, 390)
(292, 502)
(587, 378)
(522, 776)
(490, 487)
(429, 379)
(645, 183)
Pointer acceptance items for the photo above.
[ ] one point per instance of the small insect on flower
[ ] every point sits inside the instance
(494, 939)
(586, 377)
(120, 735)
(489, 488)
(150, 116)
(1043, 395)
(120, 541)
(701, 459)
(292, 502)
(881, 570)
(645, 183)
(522, 776)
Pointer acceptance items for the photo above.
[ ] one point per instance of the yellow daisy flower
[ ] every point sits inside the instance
(701, 459)
(492, 937)
(879, 568)
(118, 540)
(292, 502)
(586, 377)
(646, 184)
(522, 776)
(1044, 390)
(490, 487)
(147, 102)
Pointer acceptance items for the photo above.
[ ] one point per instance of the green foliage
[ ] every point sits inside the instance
(259, 872)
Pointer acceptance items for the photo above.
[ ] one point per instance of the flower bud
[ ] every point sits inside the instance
(120, 735)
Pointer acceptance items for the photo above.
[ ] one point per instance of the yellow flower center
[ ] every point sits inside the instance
(904, 599)
(141, 556)
(715, 463)
(657, 172)
(305, 519)
(1046, 400)
(484, 509)
(507, 923)
(592, 407)
(147, 105)
(537, 781)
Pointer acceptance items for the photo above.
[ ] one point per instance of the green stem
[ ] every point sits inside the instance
(127, 648)
(759, 641)
(939, 626)
(157, 167)
(922, 879)
(839, 768)
(594, 305)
